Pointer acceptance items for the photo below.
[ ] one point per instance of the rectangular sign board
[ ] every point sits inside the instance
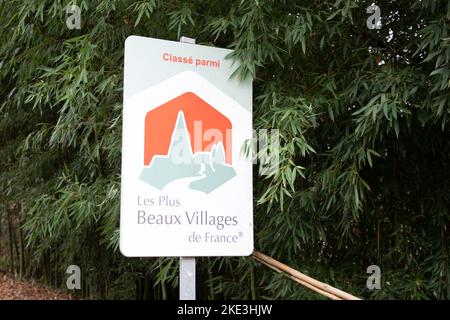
(186, 187)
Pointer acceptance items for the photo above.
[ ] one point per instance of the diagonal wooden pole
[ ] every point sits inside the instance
(313, 284)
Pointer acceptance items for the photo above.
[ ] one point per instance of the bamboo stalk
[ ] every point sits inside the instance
(11, 245)
(163, 286)
(253, 284)
(378, 239)
(21, 244)
(210, 285)
(280, 267)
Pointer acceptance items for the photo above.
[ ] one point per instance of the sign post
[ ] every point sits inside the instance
(187, 264)
(187, 278)
(186, 186)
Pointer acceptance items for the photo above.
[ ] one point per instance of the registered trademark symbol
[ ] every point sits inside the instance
(240, 234)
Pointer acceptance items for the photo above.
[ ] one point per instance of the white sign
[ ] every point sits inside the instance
(186, 186)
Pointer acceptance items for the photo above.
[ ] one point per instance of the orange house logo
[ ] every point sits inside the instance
(187, 138)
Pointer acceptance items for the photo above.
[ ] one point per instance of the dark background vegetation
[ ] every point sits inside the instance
(365, 143)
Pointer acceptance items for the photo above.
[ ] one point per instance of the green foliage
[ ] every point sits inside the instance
(364, 175)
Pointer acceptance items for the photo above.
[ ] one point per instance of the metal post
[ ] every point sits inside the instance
(187, 278)
(187, 264)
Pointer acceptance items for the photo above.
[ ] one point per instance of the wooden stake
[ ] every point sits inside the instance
(313, 284)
